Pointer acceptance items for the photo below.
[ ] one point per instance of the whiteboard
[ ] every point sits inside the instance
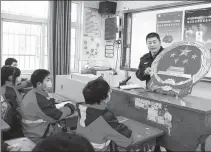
(144, 23)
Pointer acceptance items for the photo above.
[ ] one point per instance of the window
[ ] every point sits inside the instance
(24, 33)
(76, 37)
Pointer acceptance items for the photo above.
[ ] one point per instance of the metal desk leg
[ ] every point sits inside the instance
(203, 147)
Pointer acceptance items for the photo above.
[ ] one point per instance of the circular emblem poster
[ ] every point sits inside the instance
(177, 68)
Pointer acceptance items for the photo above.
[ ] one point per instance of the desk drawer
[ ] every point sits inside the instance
(188, 117)
(187, 135)
(171, 144)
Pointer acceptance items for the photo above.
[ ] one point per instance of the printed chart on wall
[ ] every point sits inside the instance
(91, 48)
(92, 23)
(197, 27)
(169, 27)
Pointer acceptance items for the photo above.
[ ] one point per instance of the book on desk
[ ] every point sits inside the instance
(60, 105)
(130, 86)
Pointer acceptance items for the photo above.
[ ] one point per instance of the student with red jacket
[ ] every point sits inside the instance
(96, 122)
(38, 110)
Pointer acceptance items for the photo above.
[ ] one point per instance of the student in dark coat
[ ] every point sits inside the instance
(154, 46)
(23, 82)
(96, 123)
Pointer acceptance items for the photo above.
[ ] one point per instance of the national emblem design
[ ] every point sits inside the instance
(179, 67)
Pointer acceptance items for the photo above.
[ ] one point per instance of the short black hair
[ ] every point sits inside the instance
(64, 142)
(96, 91)
(153, 34)
(38, 76)
(9, 61)
(7, 71)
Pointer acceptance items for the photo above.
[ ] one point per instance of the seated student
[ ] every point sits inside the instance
(11, 62)
(23, 83)
(39, 113)
(64, 142)
(10, 102)
(9, 78)
(96, 122)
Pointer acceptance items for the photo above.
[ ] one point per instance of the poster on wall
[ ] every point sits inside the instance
(169, 27)
(197, 26)
(92, 23)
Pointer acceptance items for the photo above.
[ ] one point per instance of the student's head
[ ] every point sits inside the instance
(11, 74)
(64, 142)
(153, 43)
(97, 91)
(41, 79)
(12, 62)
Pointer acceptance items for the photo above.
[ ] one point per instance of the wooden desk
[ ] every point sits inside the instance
(190, 117)
(25, 143)
(144, 136)
(71, 121)
(4, 125)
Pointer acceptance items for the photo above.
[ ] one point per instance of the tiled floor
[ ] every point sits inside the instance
(208, 145)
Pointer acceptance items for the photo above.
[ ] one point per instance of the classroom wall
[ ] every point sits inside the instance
(100, 60)
(91, 4)
(202, 89)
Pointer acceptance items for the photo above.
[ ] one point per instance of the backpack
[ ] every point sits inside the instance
(12, 117)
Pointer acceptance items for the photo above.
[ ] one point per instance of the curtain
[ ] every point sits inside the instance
(59, 38)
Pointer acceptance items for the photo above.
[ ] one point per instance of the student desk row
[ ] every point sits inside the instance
(186, 122)
(144, 135)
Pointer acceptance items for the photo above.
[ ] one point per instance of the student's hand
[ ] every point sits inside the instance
(14, 148)
(57, 101)
(147, 71)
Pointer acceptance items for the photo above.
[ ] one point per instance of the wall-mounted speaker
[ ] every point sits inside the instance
(107, 7)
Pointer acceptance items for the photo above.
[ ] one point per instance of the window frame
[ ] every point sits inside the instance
(27, 20)
(78, 26)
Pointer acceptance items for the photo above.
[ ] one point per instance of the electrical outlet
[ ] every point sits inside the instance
(61, 86)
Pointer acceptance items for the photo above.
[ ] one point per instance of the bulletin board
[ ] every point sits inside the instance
(92, 23)
(188, 21)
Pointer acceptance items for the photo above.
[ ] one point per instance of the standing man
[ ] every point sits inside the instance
(144, 69)
(154, 47)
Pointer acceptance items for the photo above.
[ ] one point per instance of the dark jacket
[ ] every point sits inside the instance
(145, 62)
(11, 93)
(100, 127)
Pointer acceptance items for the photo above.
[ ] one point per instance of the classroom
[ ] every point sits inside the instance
(105, 76)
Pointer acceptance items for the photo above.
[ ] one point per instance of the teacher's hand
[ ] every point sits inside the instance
(147, 71)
